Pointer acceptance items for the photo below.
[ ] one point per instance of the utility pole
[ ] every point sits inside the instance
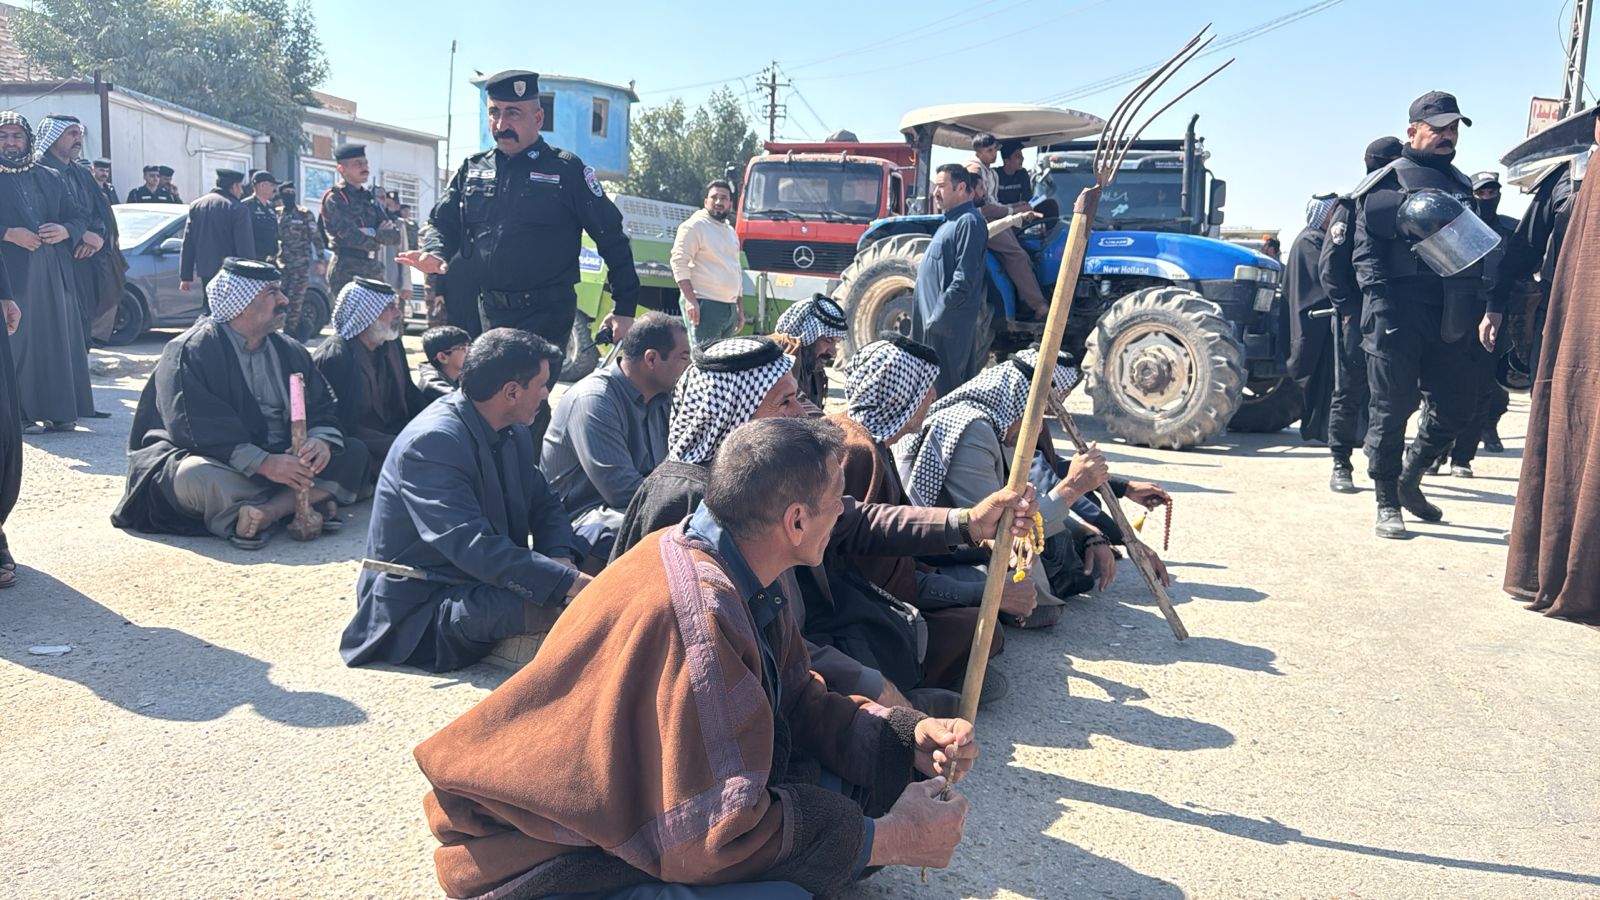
(775, 110)
(1577, 56)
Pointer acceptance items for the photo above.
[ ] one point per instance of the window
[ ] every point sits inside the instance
(602, 113)
(547, 102)
(316, 177)
(404, 185)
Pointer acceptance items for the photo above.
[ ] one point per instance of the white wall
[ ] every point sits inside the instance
(147, 134)
(385, 154)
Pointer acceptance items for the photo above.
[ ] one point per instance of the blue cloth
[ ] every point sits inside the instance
(950, 293)
(469, 506)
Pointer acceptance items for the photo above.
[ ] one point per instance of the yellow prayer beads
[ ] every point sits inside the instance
(1025, 549)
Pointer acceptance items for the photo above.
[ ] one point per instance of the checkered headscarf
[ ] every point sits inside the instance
(236, 284)
(51, 128)
(719, 392)
(360, 304)
(811, 320)
(998, 396)
(1318, 211)
(25, 161)
(886, 384)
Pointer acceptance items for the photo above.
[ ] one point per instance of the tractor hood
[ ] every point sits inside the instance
(1155, 254)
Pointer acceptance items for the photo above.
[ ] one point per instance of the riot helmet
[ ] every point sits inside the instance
(1513, 372)
(1447, 235)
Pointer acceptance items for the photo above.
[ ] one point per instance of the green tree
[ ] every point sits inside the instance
(674, 153)
(253, 62)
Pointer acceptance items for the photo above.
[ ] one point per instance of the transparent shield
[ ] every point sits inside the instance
(1457, 245)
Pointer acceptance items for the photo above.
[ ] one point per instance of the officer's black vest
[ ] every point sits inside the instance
(1399, 259)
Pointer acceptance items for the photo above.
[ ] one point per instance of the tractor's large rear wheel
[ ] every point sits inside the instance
(1164, 369)
(876, 290)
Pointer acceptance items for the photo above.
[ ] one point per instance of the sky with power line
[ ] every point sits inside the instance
(1312, 84)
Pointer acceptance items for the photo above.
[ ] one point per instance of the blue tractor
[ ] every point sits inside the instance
(1181, 335)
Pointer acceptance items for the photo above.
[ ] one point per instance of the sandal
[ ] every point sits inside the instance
(244, 543)
(8, 563)
(331, 523)
(33, 428)
(7, 579)
(62, 426)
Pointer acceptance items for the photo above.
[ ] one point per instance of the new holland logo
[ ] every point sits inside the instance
(1116, 242)
(804, 258)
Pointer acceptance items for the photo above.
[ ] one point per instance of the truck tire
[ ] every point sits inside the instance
(876, 290)
(315, 314)
(1164, 369)
(131, 322)
(582, 356)
(1268, 406)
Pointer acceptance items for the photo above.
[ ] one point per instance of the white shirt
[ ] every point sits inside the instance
(706, 254)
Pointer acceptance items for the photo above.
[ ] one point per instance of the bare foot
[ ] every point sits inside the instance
(329, 508)
(251, 519)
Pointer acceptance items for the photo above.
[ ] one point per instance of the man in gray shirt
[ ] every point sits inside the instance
(610, 429)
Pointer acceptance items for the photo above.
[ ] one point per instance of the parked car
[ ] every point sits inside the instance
(151, 237)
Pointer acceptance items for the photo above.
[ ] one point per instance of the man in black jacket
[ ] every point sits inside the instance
(219, 227)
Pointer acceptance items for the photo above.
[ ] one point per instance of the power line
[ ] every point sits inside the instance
(960, 19)
(795, 93)
(775, 110)
(1238, 37)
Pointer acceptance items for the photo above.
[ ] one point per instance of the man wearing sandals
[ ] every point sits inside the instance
(210, 448)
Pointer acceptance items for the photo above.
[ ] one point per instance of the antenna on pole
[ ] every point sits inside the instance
(1577, 57)
(775, 110)
(449, 103)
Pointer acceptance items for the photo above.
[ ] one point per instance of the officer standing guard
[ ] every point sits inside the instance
(299, 245)
(263, 218)
(166, 173)
(355, 224)
(517, 212)
(102, 177)
(1418, 258)
(151, 191)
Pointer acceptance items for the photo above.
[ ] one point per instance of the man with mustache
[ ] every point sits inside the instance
(98, 268)
(357, 226)
(366, 366)
(816, 325)
(166, 173)
(151, 191)
(1417, 327)
(102, 177)
(210, 448)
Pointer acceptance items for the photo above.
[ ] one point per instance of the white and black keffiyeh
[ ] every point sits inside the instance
(886, 384)
(1318, 211)
(51, 128)
(236, 284)
(360, 304)
(719, 392)
(812, 320)
(24, 161)
(998, 395)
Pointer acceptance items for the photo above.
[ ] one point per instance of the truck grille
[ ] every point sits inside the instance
(780, 256)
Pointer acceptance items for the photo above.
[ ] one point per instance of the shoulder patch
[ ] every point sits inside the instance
(593, 180)
(566, 155)
(1338, 232)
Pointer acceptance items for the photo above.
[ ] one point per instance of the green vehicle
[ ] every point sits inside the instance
(651, 226)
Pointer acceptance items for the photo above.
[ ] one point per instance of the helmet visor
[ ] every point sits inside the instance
(1456, 246)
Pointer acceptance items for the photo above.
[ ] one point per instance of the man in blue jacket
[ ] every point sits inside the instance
(949, 291)
(462, 504)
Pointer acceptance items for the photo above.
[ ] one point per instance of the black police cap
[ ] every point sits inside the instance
(166, 171)
(285, 186)
(374, 285)
(350, 151)
(513, 85)
(1484, 179)
(152, 170)
(737, 354)
(229, 176)
(1383, 148)
(1438, 109)
(102, 164)
(252, 269)
(263, 176)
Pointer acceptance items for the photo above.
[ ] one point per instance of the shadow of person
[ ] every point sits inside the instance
(159, 673)
(346, 544)
(1094, 634)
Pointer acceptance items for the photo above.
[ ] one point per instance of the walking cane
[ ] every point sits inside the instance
(1109, 153)
(307, 523)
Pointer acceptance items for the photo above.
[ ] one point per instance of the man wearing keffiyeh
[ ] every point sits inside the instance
(210, 448)
(365, 365)
(816, 325)
(98, 267)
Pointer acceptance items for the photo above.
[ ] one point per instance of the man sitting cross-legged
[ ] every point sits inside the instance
(209, 450)
(462, 505)
(366, 366)
(670, 739)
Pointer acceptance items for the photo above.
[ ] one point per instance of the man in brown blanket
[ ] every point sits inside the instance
(1554, 561)
(692, 752)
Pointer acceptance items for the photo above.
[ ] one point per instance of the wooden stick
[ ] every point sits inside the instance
(1137, 551)
(307, 522)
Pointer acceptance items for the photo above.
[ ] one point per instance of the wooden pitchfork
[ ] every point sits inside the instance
(1109, 152)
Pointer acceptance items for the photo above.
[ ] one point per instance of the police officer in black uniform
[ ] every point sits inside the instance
(151, 191)
(1347, 412)
(263, 217)
(1418, 325)
(102, 177)
(517, 212)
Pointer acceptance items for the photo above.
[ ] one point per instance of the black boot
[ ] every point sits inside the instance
(1340, 482)
(1491, 440)
(1411, 489)
(1390, 523)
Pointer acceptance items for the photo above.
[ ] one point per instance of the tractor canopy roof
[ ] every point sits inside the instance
(955, 124)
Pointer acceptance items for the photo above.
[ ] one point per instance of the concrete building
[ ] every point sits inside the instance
(401, 159)
(590, 118)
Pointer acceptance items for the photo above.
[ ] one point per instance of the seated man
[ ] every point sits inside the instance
(366, 365)
(610, 429)
(985, 150)
(816, 325)
(444, 349)
(721, 765)
(484, 548)
(209, 450)
(963, 452)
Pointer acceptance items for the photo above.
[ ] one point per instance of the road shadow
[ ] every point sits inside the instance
(1471, 495)
(1196, 590)
(348, 544)
(482, 676)
(96, 446)
(158, 673)
(1136, 632)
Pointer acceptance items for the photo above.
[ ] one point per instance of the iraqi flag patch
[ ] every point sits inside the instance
(593, 181)
(546, 177)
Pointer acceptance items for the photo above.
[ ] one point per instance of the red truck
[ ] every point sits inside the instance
(805, 205)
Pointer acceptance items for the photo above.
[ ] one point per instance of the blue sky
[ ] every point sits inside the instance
(1287, 120)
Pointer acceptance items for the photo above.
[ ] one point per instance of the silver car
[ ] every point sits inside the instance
(151, 237)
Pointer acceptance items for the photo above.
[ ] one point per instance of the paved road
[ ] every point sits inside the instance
(1352, 718)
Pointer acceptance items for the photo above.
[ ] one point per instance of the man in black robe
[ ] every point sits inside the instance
(366, 366)
(10, 428)
(1310, 339)
(99, 269)
(40, 224)
(210, 448)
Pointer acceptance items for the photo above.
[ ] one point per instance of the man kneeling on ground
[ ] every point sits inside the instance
(461, 505)
(692, 752)
(366, 366)
(444, 350)
(210, 448)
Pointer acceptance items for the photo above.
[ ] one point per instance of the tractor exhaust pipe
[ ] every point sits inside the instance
(1186, 195)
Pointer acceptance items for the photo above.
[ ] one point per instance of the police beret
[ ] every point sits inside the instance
(263, 175)
(252, 269)
(350, 151)
(167, 171)
(513, 85)
(102, 164)
(286, 186)
(737, 354)
(229, 176)
(152, 170)
(373, 284)
(915, 348)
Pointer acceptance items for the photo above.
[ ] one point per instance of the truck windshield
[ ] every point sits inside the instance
(814, 189)
(1136, 200)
